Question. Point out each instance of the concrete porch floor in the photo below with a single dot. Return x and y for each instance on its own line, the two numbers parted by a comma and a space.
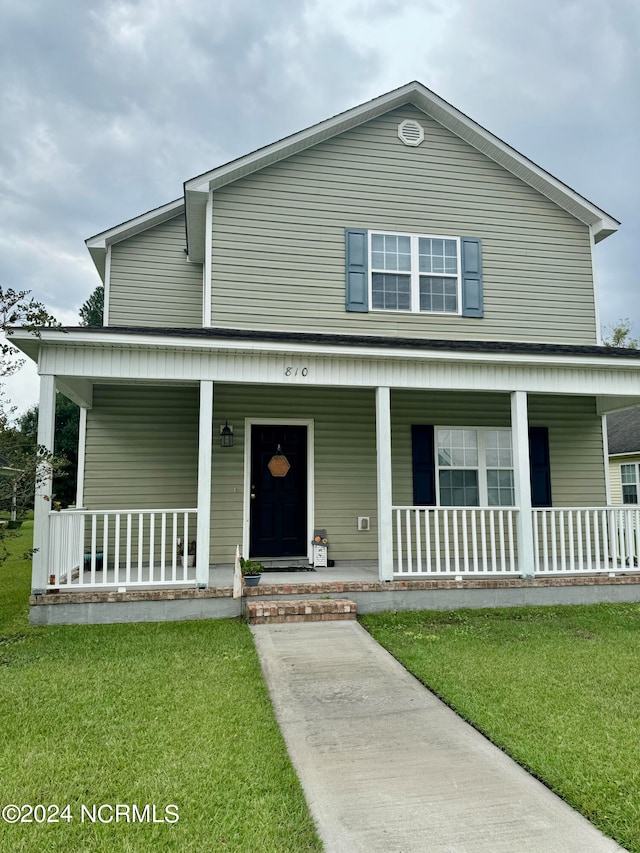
350, 571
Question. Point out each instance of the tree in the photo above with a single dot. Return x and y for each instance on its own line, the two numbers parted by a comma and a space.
16, 309
24, 465
92, 310
67, 419
65, 445
619, 335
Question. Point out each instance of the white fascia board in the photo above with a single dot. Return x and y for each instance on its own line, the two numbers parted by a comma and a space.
106, 296
594, 283
517, 163
206, 266
24, 341
98, 244
615, 456
442, 112
135, 225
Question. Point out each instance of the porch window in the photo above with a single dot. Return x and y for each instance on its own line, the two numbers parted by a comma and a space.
475, 467
629, 478
411, 272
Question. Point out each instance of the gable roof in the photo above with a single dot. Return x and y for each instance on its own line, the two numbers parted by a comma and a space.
623, 431
97, 245
196, 190
441, 111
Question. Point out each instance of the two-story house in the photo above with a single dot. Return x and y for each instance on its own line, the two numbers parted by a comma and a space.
384, 326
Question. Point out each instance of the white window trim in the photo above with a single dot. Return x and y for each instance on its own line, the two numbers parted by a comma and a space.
248, 427
483, 494
415, 274
636, 471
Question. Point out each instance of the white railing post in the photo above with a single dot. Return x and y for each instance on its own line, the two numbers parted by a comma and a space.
383, 448
44, 483
522, 482
205, 433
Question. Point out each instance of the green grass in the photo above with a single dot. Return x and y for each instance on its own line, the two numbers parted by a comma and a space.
159, 713
558, 688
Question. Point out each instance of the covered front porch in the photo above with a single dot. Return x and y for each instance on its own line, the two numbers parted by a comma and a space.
138, 549
419, 462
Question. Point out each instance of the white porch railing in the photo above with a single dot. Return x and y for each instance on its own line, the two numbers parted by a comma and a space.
114, 548
586, 539
476, 541
454, 540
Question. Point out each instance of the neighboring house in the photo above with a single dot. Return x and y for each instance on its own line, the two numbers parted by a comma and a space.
396, 301
623, 429
6, 470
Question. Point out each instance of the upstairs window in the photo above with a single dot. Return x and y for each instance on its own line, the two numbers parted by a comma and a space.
415, 273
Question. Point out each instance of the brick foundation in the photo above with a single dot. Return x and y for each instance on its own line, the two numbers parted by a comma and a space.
312, 610
327, 588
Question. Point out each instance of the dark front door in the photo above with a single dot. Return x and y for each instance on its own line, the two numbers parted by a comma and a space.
278, 520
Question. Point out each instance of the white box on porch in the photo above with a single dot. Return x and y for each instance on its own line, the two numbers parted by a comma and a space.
319, 556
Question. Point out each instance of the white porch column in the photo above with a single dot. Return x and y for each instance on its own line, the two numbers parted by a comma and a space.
82, 446
522, 481
204, 483
383, 448
44, 483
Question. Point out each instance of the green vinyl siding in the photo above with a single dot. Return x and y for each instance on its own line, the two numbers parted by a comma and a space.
438, 408
278, 253
575, 437
142, 448
345, 462
576, 449
152, 283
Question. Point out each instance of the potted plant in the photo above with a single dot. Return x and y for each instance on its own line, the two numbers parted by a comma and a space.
251, 571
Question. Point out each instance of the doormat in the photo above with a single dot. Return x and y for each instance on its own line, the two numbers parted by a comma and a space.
288, 569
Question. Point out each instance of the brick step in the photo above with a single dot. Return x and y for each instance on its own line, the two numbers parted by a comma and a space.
310, 610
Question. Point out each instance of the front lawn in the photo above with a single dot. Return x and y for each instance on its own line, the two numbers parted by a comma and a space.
156, 713
558, 688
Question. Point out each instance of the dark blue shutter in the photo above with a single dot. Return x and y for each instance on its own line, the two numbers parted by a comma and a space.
471, 254
423, 465
356, 256
540, 466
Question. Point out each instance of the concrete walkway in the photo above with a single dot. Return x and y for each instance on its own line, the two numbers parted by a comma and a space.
388, 767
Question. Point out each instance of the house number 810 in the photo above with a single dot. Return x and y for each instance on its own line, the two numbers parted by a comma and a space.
296, 371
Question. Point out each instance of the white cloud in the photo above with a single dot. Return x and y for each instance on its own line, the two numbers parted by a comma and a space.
107, 107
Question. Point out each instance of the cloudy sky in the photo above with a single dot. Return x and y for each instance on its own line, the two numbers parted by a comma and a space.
107, 107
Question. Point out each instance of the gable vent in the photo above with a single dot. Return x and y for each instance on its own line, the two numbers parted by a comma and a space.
410, 132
